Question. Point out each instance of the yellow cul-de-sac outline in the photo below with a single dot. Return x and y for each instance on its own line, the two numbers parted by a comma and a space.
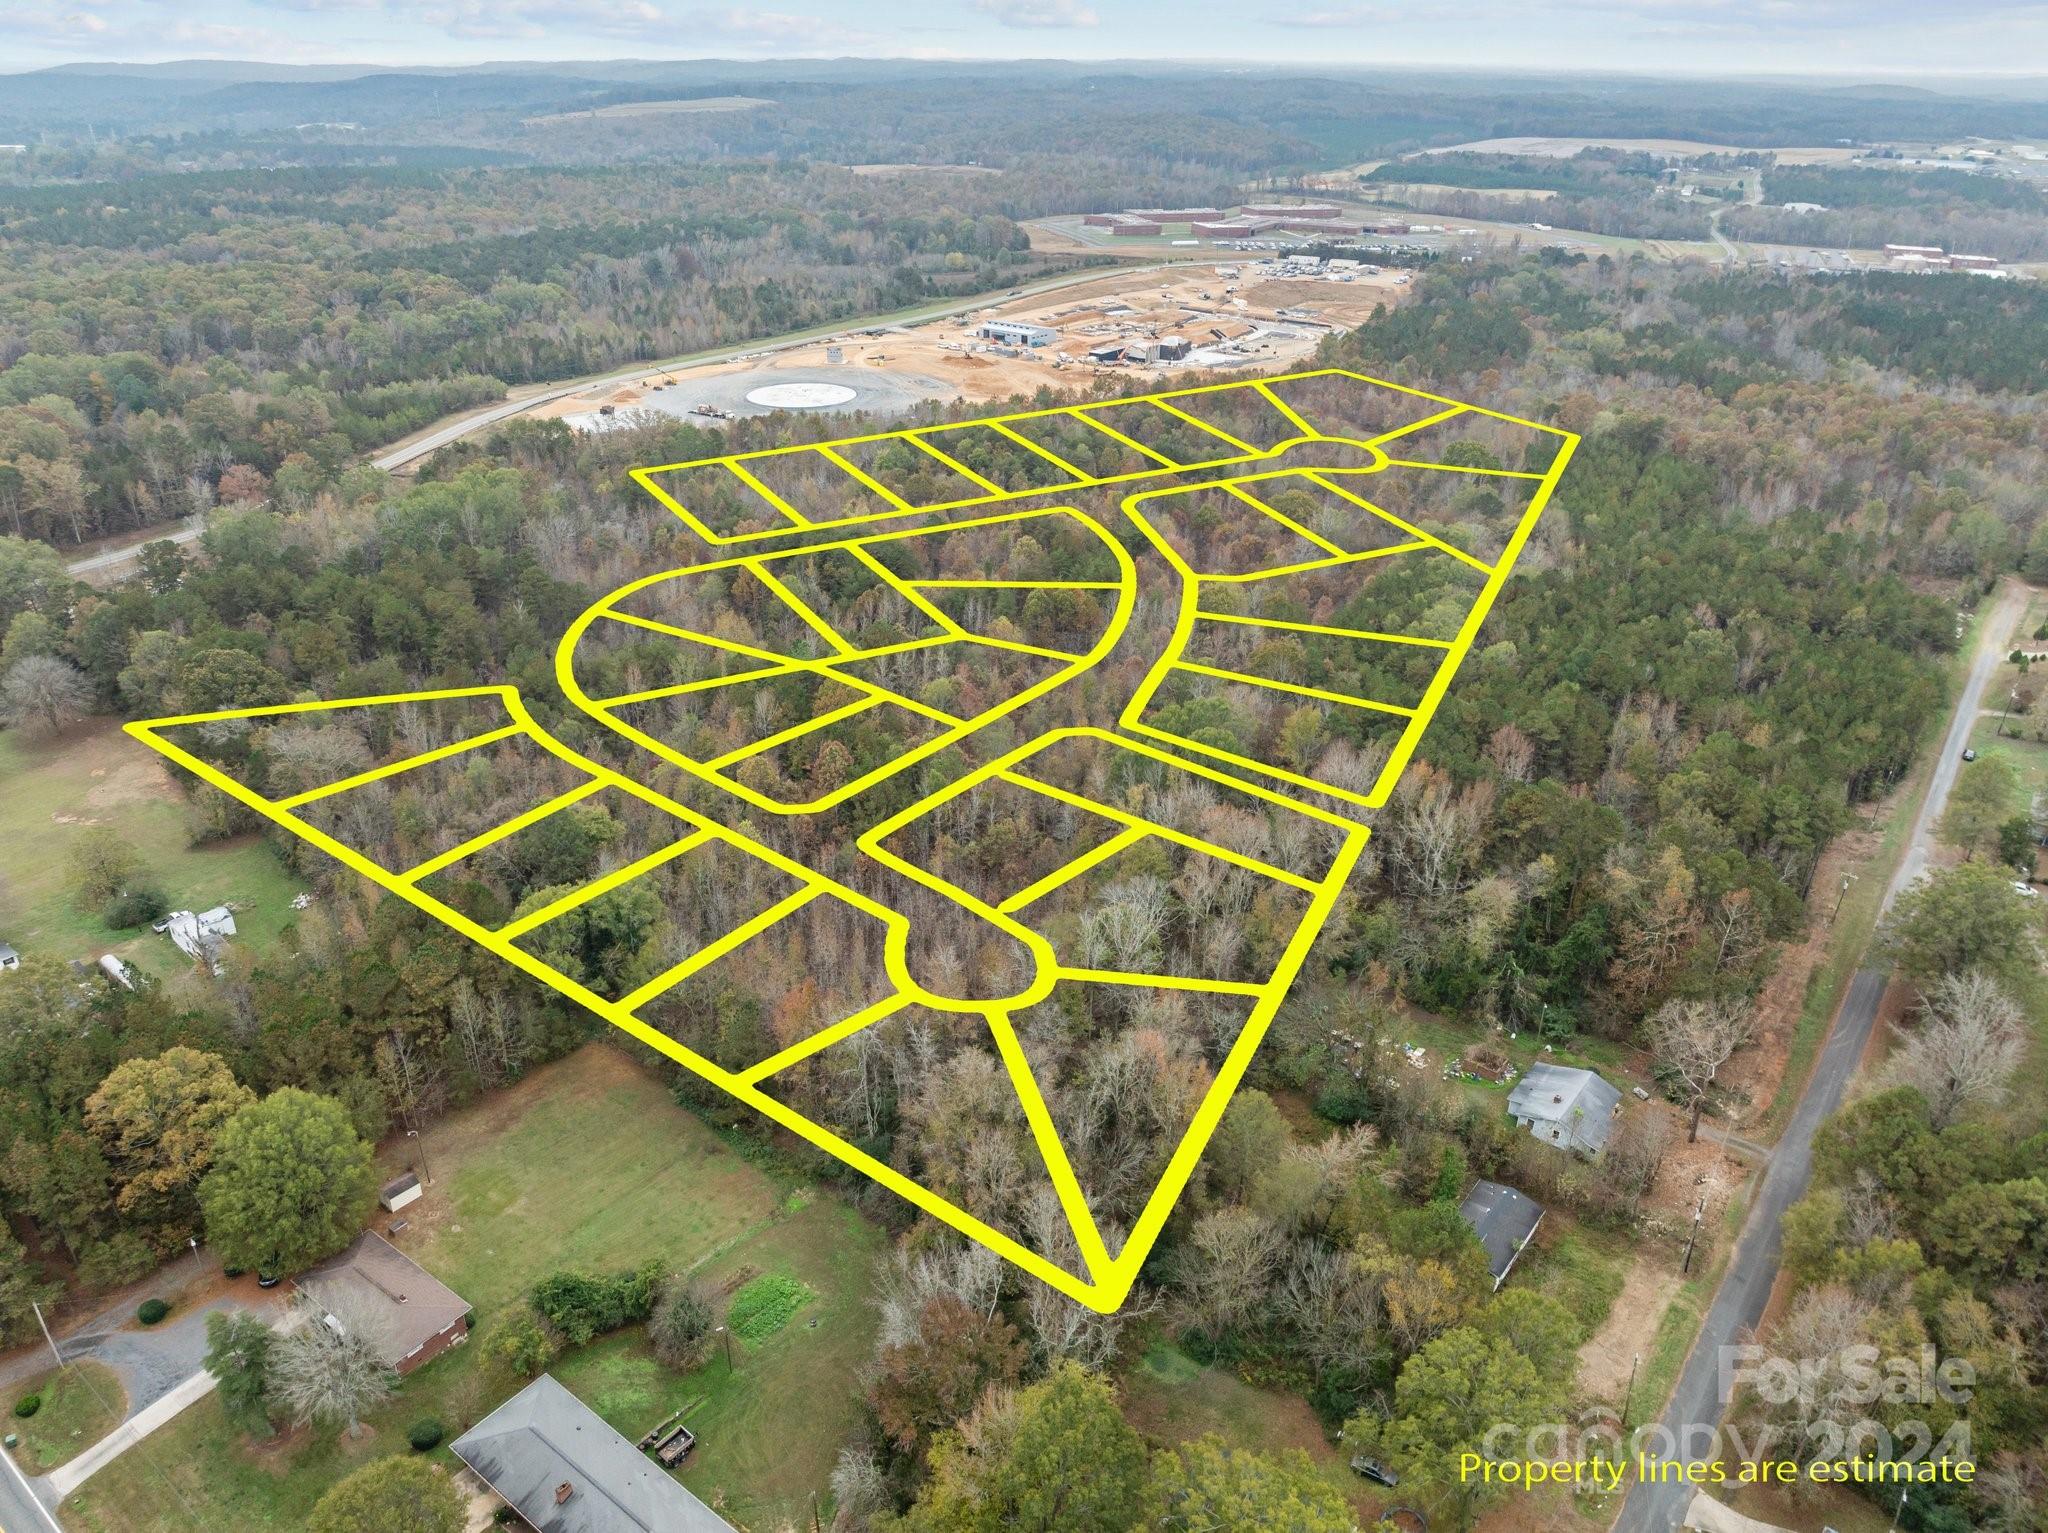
1239, 467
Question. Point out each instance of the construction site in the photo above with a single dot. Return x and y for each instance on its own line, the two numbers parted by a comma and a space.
1259, 315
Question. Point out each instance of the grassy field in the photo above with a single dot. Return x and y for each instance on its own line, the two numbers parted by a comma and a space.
81, 1404
95, 775
588, 1163
1583, 1271
1171, 1398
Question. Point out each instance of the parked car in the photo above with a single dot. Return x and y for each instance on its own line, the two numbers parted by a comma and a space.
1375, 1471
2026, 889
1969, 755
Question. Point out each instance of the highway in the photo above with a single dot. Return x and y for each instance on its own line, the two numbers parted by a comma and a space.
1697, 1403
454, 430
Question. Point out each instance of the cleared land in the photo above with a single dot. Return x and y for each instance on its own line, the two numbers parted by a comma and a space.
892, 367
93, 775
924, 170
1172, 1398
657, 108
588, 1163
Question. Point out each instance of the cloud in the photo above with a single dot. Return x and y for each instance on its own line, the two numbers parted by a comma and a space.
60, 28
772, 27
1038, 14
1344, 16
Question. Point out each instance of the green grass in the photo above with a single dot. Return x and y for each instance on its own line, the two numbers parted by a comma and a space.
1583, 1271
587, 1163
765, 1305
1680, 1326
1171, 1398
93, 774
81, 1404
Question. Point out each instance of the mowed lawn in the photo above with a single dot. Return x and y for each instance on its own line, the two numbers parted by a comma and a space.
589, 1163
92, 774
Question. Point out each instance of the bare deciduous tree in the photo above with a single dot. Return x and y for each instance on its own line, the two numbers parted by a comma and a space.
860, 1488
46, 689
329, 1366
1634, 1151
1966, 1048
1694, 1039
1332, 1300
1230, 1268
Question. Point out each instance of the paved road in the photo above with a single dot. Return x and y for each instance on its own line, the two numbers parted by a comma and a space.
1697, 1404
455, 430
20, 1511
186, 533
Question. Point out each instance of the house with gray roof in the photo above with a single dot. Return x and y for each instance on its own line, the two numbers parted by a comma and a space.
553, 1459
1572, 1109
1504, 1220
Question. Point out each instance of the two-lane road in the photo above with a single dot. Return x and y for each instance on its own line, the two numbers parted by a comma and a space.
20, 1511
1697, 1404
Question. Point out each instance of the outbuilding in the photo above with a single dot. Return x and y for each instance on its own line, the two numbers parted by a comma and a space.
1505, 1222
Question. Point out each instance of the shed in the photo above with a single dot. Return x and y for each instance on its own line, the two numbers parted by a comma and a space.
1570, 1108
398, 1192
1504, 1220
562, 1469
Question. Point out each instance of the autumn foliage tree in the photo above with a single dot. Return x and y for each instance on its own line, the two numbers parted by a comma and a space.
929, 1381
157, 1120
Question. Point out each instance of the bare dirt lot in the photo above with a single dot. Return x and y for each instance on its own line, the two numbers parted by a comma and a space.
1630, 1328
1229, 317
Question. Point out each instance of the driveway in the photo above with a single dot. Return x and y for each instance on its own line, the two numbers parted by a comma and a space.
149, 1363
1697, 1405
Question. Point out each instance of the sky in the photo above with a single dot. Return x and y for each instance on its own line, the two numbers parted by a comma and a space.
1859, 37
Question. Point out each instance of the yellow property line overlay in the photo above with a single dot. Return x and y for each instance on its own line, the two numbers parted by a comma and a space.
1107, 1277
1238, 451
952, 730
1455, 649
1107, 1281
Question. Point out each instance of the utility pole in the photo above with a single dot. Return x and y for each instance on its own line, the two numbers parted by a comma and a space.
1695, 1235
1898, 1512
426, 1171
1847, 879
726, 1336
2011, 698
1629, 1399
46, 1332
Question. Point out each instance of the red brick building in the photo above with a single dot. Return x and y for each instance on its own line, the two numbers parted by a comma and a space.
417, 1316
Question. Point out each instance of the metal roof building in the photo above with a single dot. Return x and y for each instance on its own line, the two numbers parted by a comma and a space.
1572, 1109
1504, 1220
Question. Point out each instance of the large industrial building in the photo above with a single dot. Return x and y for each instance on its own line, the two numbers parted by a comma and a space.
1009, 333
